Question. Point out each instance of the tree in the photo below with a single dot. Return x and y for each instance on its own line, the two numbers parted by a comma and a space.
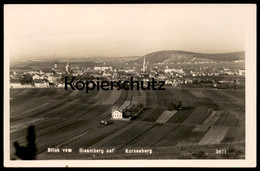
26, 79
200, 155
27, 152
171, 106
177, 104
140, 105
174, 105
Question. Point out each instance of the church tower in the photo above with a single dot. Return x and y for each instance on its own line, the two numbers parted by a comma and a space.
55, 65
67, 67
144, 65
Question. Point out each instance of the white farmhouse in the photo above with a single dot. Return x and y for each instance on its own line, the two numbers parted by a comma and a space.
117, 114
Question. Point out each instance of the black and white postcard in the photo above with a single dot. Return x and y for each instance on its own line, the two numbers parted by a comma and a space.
114, 85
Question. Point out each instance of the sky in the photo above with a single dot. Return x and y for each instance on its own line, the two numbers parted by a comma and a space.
67, 31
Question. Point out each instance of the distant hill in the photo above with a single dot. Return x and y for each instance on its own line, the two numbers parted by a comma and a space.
192, 57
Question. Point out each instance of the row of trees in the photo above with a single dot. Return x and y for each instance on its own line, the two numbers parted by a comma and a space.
133, 109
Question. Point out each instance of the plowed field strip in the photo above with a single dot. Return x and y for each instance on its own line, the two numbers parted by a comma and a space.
180, 116
214, 135
98, 135
117, 133
196, 115
127, 136
174, 136
149, 138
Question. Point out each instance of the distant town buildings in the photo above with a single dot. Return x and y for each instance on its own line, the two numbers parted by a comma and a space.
176, 76
38, 76
168, 70
241, 72
15, 85
53, 78
41, 84
102, 68
19, 85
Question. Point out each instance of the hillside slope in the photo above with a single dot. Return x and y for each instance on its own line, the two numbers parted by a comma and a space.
184, 56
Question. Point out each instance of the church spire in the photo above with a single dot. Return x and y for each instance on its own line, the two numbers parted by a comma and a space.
144, 65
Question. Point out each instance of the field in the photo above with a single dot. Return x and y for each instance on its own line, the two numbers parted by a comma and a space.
210, 119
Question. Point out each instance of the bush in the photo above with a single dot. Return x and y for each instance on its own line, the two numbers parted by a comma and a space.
140, 106
174, 105
133, 109
200, 155
26, 79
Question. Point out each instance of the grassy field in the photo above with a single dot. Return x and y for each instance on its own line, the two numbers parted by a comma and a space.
209, 119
